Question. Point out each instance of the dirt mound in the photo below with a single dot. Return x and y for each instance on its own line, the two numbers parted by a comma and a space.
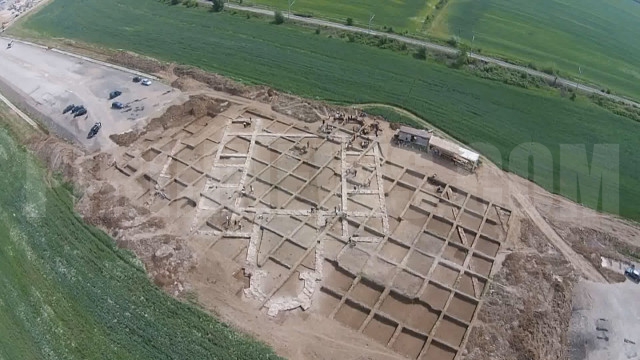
135, 61
215, 81
527, 310
58, 156
196, 107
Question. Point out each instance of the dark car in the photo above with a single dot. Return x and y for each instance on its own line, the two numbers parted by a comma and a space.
117, 105
68, 108
80, 112
137, 79
77, 108
114, 94
94, 130
633, 274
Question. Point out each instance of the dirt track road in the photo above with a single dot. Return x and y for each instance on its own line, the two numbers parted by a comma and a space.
439, 48
578, 261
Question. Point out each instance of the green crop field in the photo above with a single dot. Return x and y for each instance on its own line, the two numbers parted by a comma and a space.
294, 59
597, 37
69, 293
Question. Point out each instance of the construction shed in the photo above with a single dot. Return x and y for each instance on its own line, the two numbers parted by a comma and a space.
459, 155
410, 136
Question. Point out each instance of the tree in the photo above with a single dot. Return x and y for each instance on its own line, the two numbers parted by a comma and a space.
349, 21
278, 17
175, 2
217, 6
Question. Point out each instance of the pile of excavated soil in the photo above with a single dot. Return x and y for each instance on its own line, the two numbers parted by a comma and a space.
526, 313
134, 61
176, 115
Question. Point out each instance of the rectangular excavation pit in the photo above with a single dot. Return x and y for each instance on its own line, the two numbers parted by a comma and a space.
205, 163
451, 331
230, 247
175, 167
457, 196
408, 283
487, 246
462, 307
305, 170
380, 329
439, 351
392, 170
278, 127
150, 154
298, 131
407, 231
259, 187
332, 247
299, 203
265, 155
205, 147
336, 278
286, 162
353, 259
445, 275
291, 287
419, 262
409, 343
226, 160
394, 251
174, 189
326, 301
422, 318
435, 296
291, 184
387, 184
276, 197
379, 270
354, 206
276, 275
397, 199
476, 204
455, 253
416, 215
447, 210
374, 226
190, 175
186, 154
369, 201
289, 253
255, 167
169, 145
471, 285
306, 235
268, 242
480, 264
412, 177
314, 193
366, 292
327, 178
352, 314
471, 220
283, 224
468, 236
493, 230
439, 226
238, 144
396, 306
430, 244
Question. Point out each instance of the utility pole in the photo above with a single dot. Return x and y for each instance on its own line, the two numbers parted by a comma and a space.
291, 2
370, 21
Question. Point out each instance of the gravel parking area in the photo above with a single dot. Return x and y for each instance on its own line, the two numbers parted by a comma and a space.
45, 82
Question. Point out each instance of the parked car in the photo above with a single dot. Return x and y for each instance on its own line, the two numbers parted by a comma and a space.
633, 274
77, 108
68, 108
117, 105
94, 130
146, 82
137, 79
80, 112
114, 94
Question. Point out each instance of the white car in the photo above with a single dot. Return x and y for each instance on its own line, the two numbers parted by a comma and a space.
145, 82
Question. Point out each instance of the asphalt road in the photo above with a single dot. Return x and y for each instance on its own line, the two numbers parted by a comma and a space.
439, 48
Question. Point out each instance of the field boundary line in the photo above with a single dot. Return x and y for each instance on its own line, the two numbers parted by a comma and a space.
22, 115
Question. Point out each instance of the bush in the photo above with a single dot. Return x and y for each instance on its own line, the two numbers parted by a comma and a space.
217, 6
175, 2
318, 31
349, 21
190, 3
421, 54
278, 17
453, 41
573, 96
351, 38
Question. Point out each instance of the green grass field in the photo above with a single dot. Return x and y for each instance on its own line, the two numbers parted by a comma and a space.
294, 59
598, 37
398, 14
69, 293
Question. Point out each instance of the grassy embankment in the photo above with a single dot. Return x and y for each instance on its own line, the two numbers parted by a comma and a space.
69, 293
297, 60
